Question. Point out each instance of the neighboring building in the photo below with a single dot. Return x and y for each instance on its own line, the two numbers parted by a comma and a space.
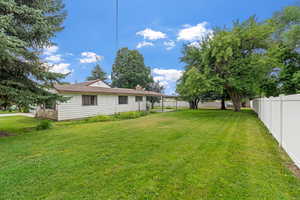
172, 101
93, 98
177, 102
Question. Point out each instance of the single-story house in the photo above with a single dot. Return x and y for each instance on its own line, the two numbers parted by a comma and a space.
94, 98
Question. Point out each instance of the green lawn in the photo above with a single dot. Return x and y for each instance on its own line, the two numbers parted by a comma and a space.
203, 155
7, 112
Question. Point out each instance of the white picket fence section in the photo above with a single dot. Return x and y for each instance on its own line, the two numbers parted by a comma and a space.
281, 115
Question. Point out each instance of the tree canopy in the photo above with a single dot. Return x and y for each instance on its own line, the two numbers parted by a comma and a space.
129, 70
284, 78
233, 59
250, 59
287, 23
192, 86
25, 28
97, 74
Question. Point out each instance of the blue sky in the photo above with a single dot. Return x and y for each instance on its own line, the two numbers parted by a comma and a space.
157, 28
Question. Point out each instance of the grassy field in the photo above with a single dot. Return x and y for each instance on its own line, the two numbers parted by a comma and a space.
203, 155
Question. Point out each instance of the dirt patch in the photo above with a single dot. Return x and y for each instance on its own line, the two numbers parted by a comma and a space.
5, 134
294, 169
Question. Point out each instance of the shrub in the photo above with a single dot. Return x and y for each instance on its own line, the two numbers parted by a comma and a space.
44, 124
100, 118
144, 113
130, 115
169, 107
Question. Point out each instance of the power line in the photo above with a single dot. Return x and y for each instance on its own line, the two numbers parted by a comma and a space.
117, 25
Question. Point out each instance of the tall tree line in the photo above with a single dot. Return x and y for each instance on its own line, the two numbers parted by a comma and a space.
250, 59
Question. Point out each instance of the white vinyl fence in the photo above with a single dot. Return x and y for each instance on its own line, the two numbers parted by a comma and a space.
281, 115
171, 103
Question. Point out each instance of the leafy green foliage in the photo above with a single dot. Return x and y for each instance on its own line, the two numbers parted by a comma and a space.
234, 60
287, 23
106, 118
100, 118
97, 74
285, 53
130, 115
155, 87
192, 85
26, 27
129, 70
283, 78
44, 125
269, 86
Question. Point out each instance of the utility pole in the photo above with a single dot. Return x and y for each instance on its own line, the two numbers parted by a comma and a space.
117, 25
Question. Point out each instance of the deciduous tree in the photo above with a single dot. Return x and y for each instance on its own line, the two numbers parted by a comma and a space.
285, 53
236, 58
191, 86
129, 70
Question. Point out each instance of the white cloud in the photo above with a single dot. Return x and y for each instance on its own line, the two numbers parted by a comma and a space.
50, 50
167, 74
167, 78
53, 61
192, 33
144, 44
54, 58
62, 68
151, 34
165, 84
195, 44
169, 44
90, 57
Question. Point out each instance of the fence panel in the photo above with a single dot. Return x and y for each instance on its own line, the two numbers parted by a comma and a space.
281, 115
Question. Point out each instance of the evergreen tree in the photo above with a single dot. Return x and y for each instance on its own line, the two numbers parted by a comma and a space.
25, 28
97, 74
129, 70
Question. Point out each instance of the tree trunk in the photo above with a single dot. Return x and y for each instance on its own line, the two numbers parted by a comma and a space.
152, 104
223, 106
194, 104
235, 98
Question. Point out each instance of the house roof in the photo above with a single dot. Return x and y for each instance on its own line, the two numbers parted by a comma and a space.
86, 83
84, 88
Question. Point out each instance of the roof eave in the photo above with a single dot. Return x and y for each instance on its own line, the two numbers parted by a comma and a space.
109, 93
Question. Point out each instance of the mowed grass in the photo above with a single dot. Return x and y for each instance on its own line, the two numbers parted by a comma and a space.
203, 155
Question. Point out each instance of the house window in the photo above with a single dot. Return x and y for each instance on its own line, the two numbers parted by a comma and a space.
89, 100
123, 99
138, 99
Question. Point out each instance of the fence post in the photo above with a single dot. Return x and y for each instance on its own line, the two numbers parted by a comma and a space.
259, 108
162, 104
281, 120
271, 114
